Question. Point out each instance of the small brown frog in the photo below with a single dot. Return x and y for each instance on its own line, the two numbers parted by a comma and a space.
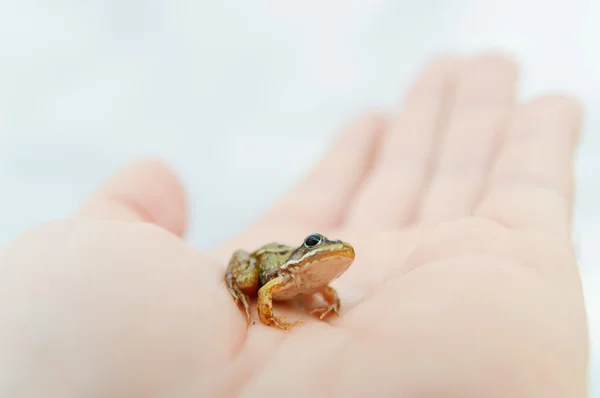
281, 272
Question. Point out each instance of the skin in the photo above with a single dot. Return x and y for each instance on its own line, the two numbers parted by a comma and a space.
465, 283
281, 272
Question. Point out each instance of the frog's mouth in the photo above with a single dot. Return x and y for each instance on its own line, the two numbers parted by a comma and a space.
326, 264
337, 250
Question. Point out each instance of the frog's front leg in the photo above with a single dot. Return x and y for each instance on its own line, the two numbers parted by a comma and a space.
242, 277
265, 305
333, 303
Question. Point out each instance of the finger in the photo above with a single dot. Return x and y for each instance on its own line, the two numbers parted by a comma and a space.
389, 195
320, 200
484, 99
147, 190
531, 182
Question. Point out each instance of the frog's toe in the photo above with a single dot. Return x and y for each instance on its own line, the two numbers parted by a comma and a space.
234, 294
322, 312
244, 301
248, 314
280, 324
239, 296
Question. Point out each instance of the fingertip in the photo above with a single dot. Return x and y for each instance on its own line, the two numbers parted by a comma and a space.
482, 66
563, 110
564, 103
364, 128
437, 77
147, 190
441, 61
373, 116
497, 56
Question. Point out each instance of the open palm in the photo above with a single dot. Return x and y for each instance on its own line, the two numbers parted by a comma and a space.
464, 284
458, 206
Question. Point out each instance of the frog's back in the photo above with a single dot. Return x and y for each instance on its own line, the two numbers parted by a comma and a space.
270, 258
273, 247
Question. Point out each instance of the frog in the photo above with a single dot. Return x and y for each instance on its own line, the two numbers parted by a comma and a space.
279, 272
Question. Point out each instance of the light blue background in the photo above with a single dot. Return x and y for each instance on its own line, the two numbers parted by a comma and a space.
87, 86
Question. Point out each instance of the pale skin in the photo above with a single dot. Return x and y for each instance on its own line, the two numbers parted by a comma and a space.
465, 284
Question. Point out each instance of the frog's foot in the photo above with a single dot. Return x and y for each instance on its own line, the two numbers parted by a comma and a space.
277, 321
333, 303
265, 313
244, 299
238, 296
322, 312
265, 306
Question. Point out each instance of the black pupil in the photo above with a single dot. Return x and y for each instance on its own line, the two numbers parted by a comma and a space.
313, 240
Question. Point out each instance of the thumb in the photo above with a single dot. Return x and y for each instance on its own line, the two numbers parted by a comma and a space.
146, 191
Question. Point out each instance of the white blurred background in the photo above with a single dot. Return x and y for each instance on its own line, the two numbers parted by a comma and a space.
219, 89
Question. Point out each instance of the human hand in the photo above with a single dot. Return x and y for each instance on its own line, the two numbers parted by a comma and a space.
464, 283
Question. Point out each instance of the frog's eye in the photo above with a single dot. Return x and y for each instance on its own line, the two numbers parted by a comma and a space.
313, 240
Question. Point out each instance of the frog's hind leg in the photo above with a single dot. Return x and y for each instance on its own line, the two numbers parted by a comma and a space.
242, 277
333, 303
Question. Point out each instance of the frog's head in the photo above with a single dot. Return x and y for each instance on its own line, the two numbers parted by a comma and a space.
319, 251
